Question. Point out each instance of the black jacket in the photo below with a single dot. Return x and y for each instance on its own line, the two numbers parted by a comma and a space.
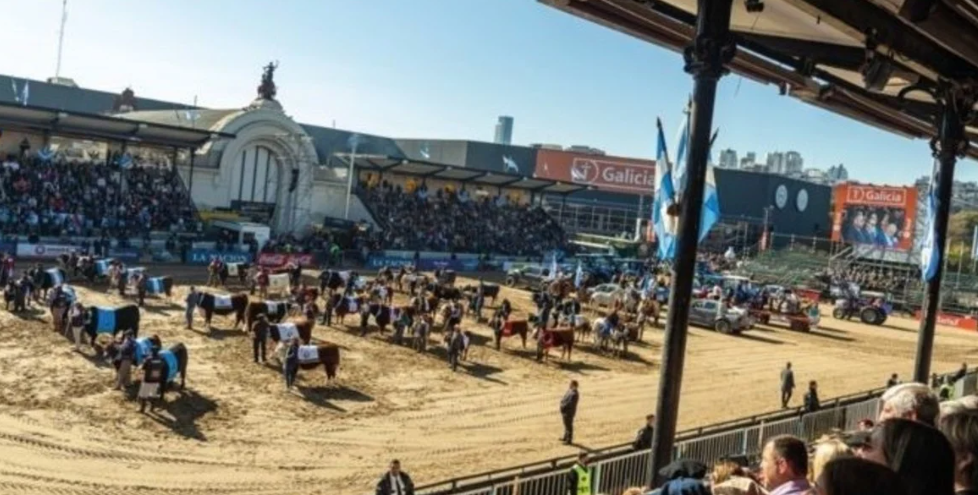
384, 485
811, 401
568, 405
643, 439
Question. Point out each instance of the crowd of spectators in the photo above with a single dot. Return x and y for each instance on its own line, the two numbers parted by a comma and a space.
55, 197
871, 278
456, 221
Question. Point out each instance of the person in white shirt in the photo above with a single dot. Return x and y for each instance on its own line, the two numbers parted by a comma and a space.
395, 481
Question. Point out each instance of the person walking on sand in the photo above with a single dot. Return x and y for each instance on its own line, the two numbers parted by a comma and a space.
290, 365
568, 409
192, 298
787, 385
395, 481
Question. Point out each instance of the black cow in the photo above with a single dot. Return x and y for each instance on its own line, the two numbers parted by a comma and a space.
207, 303
332, 280
125, 318
242, 272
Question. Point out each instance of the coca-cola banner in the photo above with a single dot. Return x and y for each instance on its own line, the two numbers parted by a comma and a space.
606, 173
880, 215
279, 259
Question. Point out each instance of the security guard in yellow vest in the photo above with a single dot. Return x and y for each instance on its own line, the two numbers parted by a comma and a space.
946, 392
579, 477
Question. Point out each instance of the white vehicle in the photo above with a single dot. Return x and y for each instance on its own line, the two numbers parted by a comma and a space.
244, 232
606, 294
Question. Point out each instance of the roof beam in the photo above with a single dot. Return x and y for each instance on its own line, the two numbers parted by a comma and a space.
844, 57
863, 17
943, 25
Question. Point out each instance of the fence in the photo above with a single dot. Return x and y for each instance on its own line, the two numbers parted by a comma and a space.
615, 471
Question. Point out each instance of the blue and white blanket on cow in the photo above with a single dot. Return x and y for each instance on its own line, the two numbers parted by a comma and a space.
272, 307
155, 286
69, 293
130, 272
104, 320
351, 305
287, 331
144, 348
308, 354
222, 302
55, 274
172, 365
604, 327
102, 266
278, 282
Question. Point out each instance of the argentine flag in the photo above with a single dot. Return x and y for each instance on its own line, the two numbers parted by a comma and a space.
553, 265
682, 145
664, 195
578, 276
710, 214
930, 247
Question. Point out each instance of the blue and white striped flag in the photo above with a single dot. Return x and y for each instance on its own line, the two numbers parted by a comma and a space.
578, 275
710, 214
682, 140
553, 265
930, 247
664, 195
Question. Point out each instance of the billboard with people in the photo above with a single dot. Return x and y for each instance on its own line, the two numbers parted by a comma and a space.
605, 173
877, 215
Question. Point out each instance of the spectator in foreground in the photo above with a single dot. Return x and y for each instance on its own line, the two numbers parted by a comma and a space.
961, 430
826, 452
395, 481
730, 478
913, 401
854, 476
964, 404
919, 454
784, 466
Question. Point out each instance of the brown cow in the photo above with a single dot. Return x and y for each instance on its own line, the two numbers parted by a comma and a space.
284, 332
280, 309
508, 328
562, 337
222, 305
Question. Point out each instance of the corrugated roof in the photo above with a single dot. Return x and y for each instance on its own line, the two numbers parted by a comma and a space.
73, 99
197, 119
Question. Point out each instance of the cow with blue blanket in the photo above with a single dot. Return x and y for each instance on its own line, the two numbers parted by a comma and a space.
45, 280
145, 284
160, 369
222, 305
110, 322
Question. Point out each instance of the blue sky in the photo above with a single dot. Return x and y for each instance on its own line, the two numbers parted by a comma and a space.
432, 68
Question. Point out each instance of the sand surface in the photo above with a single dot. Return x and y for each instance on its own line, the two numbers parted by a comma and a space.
235, 430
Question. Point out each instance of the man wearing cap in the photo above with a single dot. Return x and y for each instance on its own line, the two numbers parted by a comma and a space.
579, 476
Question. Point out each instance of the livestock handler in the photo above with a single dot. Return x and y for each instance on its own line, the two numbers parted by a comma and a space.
579, 476
192, 299
259, 334
568, 409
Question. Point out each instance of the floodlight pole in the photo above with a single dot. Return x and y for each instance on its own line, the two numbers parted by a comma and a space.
956, 105
706, 61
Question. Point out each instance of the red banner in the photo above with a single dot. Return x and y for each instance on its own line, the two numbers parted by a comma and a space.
879, 215
279, 259
963, 322
607, 173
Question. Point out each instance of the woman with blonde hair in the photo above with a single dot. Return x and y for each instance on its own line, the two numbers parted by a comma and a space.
826, 451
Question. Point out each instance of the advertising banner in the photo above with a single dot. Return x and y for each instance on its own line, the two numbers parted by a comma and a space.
964, 322
280, 259
878, 215
606, 173
425, 264
44, 251
125, 254
205, 256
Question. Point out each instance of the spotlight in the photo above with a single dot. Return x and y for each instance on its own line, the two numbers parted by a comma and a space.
754, 6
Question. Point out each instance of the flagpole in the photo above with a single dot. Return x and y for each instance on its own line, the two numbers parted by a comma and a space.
61, 38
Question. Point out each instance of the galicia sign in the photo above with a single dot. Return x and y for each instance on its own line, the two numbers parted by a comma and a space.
623, 175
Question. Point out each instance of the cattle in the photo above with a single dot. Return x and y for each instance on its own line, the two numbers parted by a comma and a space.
311, 357
489, 291
110, 321
238, 271
445, 292
284, 332
174, 359
501, 328
49, 279
159, 285
279, 283
330, 280
345, 305
222, 305
15, 293
562, 337
445, 277
276, 311
382, 313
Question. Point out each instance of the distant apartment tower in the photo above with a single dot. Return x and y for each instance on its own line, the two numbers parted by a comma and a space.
838, 173
728, 159
504, 130
749, 160
776, 162
793, 163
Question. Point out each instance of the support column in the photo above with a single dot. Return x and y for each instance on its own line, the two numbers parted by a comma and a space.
956, 109
705, 60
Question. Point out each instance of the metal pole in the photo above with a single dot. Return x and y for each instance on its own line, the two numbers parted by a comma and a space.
349, 179
949, 143
61, 38
190, 182
705, 61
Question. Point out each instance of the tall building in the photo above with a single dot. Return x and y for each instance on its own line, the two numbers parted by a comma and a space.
749, 160
504, 130
838, 173
793, 163
775, 162
728, 158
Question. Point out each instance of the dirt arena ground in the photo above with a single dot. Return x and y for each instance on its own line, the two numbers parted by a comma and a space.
235, 430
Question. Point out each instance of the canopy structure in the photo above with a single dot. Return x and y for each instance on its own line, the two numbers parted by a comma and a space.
906, 66
426, 169
853, 57
93, 126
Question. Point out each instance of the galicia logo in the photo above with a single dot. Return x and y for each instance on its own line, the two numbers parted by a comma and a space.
424, 152
510, 166
584, 172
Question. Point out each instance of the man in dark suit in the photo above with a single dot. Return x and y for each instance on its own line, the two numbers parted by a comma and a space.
787, 385
568, 409
395, 481
643, 438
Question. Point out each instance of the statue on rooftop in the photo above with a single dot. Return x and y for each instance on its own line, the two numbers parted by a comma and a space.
266, 90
